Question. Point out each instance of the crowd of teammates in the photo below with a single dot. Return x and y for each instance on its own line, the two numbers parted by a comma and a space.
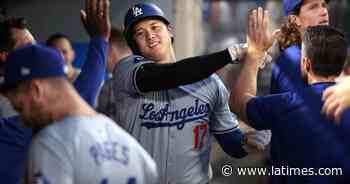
165, 113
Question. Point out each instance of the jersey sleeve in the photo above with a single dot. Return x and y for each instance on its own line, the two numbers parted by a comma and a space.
92, 74
262, 112
49, 163
106, 99
222, 119
125, 74
286, 71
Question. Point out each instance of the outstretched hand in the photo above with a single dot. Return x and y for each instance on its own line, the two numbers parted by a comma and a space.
259, 38
95, 18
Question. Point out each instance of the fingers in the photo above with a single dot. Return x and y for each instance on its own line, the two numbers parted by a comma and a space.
251, 25
266, 19
328, 100
87, 8
93, 8
275, 34
327, 93
83, 17
255, 25
331, 108
259, 19
106, 5
337, 114
99, 5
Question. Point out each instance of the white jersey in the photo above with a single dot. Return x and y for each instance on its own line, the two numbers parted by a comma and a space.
175, 126
88, 150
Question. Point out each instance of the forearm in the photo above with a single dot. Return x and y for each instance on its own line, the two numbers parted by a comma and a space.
232, 143
154, 77
245, 87
93, 72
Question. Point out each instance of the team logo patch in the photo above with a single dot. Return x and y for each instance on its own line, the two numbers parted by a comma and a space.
137, 11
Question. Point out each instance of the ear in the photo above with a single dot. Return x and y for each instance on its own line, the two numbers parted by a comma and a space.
36, 89
3, 56
307, 64
171, 30
73, 55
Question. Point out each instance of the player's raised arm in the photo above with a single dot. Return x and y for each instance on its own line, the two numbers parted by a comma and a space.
259, 40
96, 21
95, 18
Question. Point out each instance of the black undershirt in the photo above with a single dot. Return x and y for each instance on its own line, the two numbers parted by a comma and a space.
155, 77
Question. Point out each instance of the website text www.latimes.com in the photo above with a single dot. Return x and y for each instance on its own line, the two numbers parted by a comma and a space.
228, 170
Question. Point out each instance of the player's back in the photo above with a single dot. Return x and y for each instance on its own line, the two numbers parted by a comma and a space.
92, 150
303, 137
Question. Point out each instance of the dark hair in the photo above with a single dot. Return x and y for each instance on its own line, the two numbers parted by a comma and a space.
326, 47
290, 34
7, 41
117, 38
53, 38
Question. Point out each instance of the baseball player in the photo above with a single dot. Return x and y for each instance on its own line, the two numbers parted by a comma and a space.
173, 121
64, 45
72, 143
305, 139
300, 14
14, 137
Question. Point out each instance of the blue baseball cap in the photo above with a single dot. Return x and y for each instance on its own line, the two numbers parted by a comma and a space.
31, 62
290, 5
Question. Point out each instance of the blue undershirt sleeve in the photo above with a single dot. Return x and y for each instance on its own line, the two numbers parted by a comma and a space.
232, 143
93, 71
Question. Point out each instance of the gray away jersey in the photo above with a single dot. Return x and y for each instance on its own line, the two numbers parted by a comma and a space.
88, 150
175, 126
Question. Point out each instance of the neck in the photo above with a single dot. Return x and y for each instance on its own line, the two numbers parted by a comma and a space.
111, 65
73, 104
169, 58
312, 79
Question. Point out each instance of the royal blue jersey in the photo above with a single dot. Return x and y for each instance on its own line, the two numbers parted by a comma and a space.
302, 137
345, 119
15, 139
286, 71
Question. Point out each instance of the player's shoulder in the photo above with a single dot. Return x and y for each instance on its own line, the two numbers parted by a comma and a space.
74, 129
133, 59
212, 79
215, 80
292, 52
129, 63
284, 101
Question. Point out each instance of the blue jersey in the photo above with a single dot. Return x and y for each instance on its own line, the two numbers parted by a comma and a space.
286, 71
345, 118
301, 136
15, 139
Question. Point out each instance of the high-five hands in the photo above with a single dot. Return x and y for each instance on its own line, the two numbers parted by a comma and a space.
95, 18
259, 38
